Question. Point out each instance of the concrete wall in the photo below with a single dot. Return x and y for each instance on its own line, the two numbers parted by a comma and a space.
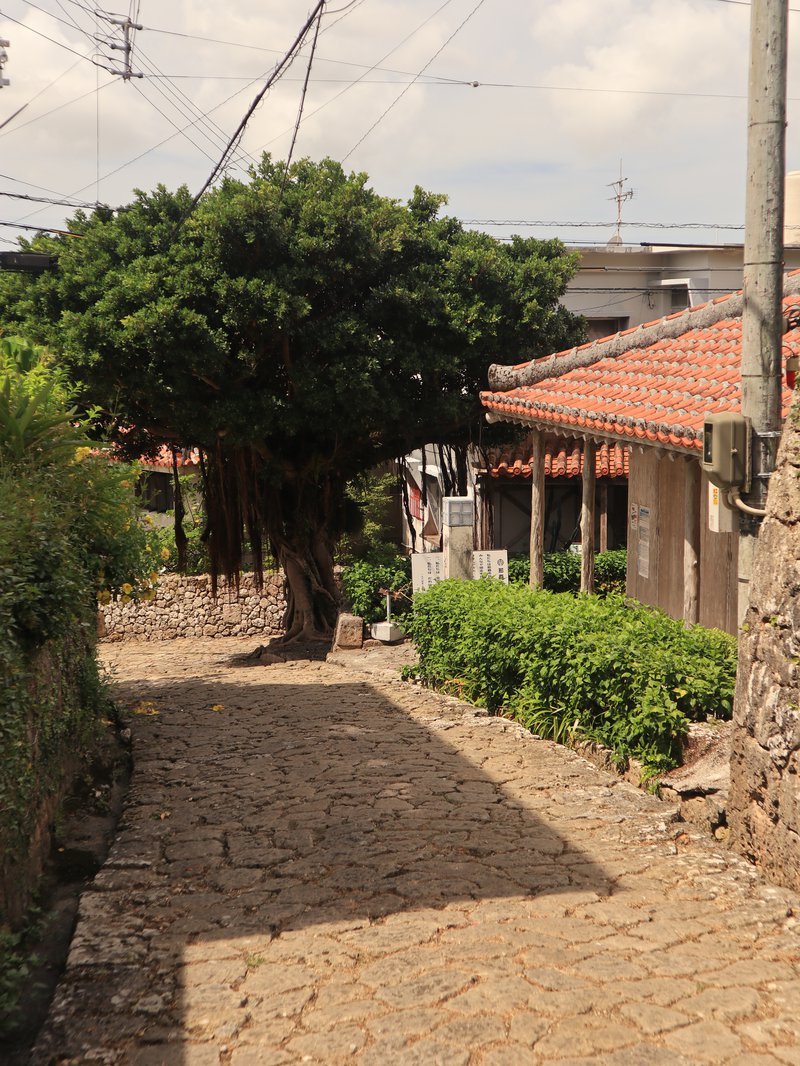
184, 607
764, 801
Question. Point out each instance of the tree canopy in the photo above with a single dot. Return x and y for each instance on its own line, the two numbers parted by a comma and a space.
299, 329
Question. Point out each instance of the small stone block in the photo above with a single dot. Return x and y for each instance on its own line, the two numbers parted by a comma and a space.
349, 631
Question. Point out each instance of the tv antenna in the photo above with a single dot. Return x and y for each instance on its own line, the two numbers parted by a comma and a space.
619, 196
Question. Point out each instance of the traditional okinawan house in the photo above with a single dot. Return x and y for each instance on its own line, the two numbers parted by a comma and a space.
649, 388
504, 487
157, 483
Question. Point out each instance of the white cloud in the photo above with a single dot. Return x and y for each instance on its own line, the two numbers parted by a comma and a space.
498, 151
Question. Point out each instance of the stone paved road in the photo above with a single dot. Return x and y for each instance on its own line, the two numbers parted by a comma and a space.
318, 865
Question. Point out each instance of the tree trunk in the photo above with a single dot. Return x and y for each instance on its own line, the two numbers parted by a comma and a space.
311, 606
296, 512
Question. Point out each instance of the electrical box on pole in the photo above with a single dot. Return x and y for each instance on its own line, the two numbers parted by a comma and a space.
726, 450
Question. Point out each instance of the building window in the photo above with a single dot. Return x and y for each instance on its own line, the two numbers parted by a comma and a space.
597, 328
414, 501
679, 297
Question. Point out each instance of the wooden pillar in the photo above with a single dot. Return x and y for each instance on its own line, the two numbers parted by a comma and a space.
691, 541
604, 516
587, 516
537, 511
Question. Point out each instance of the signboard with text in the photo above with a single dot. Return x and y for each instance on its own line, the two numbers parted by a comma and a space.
426, 570
490, 564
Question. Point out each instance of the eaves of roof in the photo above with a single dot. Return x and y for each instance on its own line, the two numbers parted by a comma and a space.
652, 385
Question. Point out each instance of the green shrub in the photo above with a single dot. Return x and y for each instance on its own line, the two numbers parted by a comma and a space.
602, 669
69, 532
365, 583
562, 571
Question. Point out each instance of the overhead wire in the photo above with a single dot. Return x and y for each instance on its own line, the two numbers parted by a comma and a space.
597, 225
182, 104
53, 110
236, 137
303, 99
48, 200
397, 99
369, 70
38, 33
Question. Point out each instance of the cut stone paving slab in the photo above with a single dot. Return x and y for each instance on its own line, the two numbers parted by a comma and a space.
338, 867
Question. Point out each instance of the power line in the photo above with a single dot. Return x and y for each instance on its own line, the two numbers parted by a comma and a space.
49, 200
303, 100
185, 107
361, 77
42, 229
39, 33
238, 133
398, 98
59, 107
597, 225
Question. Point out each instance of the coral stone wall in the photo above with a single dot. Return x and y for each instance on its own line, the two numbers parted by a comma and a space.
184, 607
764, 801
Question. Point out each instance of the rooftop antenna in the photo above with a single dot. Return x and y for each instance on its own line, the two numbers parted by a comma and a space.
620, 195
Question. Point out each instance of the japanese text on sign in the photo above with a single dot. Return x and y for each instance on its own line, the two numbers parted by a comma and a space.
426, 570
490, 564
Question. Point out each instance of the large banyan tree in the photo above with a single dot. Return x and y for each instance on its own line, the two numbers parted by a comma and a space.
298, 329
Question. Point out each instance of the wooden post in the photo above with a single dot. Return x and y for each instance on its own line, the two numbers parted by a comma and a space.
691, 541
587, 516
604, 516
537, 511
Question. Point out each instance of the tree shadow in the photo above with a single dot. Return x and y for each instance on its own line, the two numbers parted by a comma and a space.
264, 809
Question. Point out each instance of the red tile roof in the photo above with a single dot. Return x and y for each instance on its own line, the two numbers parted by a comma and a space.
187, 457
562, 458
651, 384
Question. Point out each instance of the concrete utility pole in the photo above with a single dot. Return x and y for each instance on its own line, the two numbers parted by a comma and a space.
762, 322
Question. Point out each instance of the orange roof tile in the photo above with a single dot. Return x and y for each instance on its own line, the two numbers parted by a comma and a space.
656, 390
188, 458
562, 458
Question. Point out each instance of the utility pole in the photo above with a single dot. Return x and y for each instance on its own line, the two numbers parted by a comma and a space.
126, 47
762, 322
3, 60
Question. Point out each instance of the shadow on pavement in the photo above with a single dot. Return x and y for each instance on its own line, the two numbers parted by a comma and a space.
262, 809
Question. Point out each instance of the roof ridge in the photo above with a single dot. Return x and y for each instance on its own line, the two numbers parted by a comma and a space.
701, 316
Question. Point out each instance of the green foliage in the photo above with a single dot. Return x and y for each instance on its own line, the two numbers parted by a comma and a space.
15, 970
369, 527
562, 571
69, 531
602, 669
366, 581
300, 329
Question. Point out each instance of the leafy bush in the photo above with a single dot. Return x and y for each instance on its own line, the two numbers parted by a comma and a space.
621, 674
69, 532
365, 583
562, 571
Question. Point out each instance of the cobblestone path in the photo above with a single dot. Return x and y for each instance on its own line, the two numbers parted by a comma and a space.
317, 865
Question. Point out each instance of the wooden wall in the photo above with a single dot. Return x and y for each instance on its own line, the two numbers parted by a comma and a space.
719, 581
655, 543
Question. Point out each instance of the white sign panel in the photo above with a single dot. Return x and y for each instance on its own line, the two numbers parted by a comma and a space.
643, 545
490, 564
426, 570
721, 516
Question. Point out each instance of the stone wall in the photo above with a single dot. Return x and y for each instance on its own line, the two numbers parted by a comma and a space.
184, 607
764, 802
